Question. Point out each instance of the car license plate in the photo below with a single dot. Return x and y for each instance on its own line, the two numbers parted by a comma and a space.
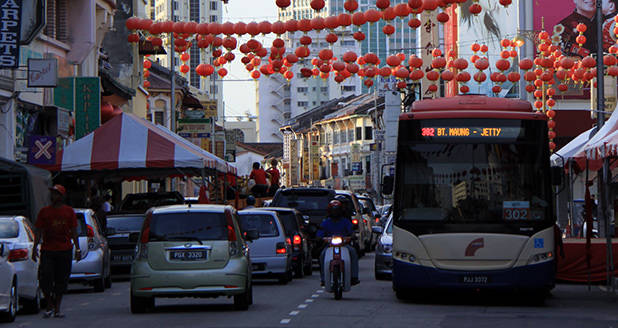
479, 280
258, 266
122, 258
188, 255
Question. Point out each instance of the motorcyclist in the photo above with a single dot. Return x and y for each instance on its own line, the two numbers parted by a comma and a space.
336, 224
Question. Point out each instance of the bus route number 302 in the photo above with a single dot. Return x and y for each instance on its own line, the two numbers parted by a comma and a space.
516, 210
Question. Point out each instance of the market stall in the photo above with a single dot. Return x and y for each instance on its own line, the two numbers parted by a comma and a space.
130, 148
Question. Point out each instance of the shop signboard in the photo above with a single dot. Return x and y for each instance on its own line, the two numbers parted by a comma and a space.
315, 160
42, 150
87, 105
10, 29
357, 166
196, 130
306, 162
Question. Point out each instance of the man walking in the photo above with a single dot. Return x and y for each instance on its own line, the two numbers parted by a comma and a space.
274, 177
57, 226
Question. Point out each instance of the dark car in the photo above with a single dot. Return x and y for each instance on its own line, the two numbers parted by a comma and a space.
310, 202
295, 228
370, 209
119, 228
140, 203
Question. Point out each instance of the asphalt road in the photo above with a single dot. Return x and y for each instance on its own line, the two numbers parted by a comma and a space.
302, 303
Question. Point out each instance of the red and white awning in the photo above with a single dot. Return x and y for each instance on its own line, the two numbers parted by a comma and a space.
130, 142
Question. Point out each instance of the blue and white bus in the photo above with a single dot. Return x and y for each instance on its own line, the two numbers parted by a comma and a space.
473, 203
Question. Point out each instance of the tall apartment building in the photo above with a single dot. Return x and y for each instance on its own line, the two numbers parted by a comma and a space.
279, 100
200, 11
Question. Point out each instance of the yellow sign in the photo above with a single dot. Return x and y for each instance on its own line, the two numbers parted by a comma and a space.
315, 160
306, 163
210, 108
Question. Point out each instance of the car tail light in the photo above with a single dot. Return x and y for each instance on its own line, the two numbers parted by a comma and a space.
377, 220
354, 221
288, 241
90, 231
297, 240
231, 233
142, 251
281, 248
16, 255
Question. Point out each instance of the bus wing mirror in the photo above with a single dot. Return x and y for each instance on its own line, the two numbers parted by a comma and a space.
557, 175
387, 185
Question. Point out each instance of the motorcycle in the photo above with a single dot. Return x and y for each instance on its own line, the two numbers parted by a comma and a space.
338, 262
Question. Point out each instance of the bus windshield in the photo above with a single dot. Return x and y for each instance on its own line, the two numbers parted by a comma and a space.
467, 181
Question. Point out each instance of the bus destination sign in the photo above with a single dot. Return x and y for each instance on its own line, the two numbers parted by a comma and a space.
471, 132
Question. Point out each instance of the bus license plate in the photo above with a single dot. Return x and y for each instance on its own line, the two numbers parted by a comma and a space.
188, 255
480, 280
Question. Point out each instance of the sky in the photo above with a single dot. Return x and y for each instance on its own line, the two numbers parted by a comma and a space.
240, 97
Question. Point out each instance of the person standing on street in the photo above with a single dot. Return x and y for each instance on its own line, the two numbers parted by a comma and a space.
56, 225
260, 177
274, 177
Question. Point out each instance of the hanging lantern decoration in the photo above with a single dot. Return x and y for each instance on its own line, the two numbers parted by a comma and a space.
581, 39
282, 4
133, 38
184, 68
388, 29
147, 64
475, 8
317, 5
350, 5
414, 23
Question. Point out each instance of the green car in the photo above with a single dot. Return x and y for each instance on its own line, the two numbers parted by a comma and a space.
191, 251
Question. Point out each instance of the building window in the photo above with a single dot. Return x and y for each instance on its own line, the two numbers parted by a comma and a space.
175, 5
194, 11
323, 89
57, 18
368, 133
194, 60
213, 18
159, 118
313, 103
349, 88
359, 133
213, 5
214, 90
343, 136
302, 89
302, 104
335, 137
350, 135
286, 102
348, 43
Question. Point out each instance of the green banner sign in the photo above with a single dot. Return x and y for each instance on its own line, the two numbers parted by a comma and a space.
87, 105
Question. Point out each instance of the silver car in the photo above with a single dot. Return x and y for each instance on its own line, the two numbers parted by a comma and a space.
94, 267
9, 301
17, 235
384, 251
271, 253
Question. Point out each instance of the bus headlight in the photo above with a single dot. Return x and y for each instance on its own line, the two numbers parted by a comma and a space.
540, 257
405, 257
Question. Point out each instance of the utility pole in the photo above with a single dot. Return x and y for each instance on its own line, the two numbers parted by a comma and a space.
173, 76
603, 179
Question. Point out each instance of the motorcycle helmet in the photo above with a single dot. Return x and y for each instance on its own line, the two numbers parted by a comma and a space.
335, 208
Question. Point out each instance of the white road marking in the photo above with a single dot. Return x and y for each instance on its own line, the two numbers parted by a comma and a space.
294, 312
308, 300
285, 321
303, 306
320, 291
85, 303
315, 295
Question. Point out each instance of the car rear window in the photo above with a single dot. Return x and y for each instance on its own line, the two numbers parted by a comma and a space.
367, 203
143, 202
9, 228
288, 219
126, 223
82, 229
263, 223
307, 202
188, 226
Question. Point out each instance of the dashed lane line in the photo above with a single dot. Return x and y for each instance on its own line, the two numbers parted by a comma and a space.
285, 321
294, 313
303, 306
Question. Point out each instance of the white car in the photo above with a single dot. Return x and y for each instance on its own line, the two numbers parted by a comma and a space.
9, 301
94, 267
17, 234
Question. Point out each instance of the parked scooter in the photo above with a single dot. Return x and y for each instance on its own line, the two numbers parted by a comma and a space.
337, 266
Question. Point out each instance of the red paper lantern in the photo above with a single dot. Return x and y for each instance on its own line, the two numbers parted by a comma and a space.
479, 77
503, 64
317, 5
133, 38
147, 64
317, 23
331, 38
513, 77
359, 36
325, 54
282, 4
388, 29
581, 27
373, 15
438, 62
402, 73
291, 25
222, 72
359, 19
350, 5
414, 23
464, 89
442, 17
496, 89
447, 75
344, 19
368, 83
432, 88
402, 10
383, 4
133, 23
463, 76
352, 68
415, 61
460, 63
415, 4
416, 74
475, 9
278, 28
432, 75
288, 75
146, 84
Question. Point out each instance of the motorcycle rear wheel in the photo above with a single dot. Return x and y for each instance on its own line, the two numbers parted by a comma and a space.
337, 281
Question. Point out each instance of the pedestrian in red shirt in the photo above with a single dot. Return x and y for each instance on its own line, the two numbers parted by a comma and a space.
259, 176
57, 226
274, 177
